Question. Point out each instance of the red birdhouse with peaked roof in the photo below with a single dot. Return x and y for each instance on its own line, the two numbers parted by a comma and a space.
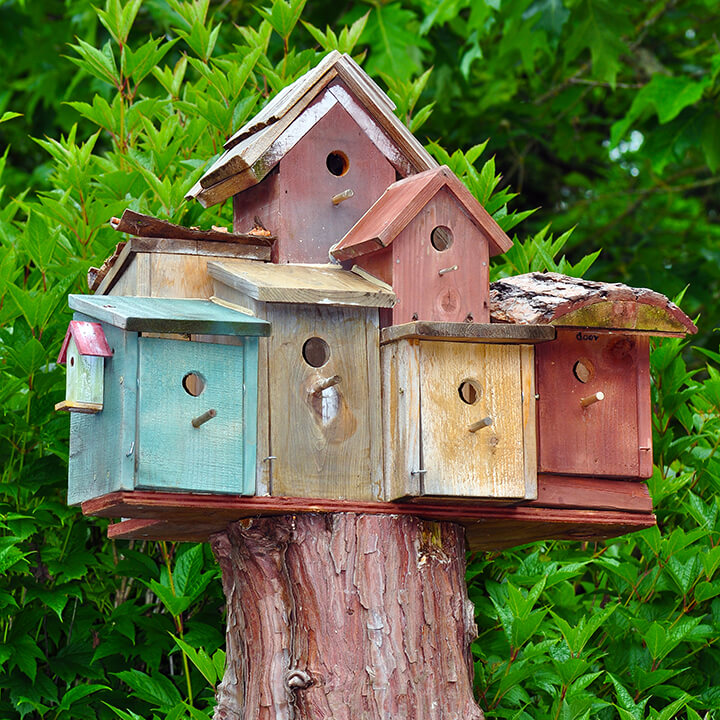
310, 164
430, 239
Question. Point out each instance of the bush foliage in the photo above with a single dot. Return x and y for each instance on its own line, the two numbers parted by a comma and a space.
603, 112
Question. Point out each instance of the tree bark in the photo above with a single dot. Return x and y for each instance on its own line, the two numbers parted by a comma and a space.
346, 617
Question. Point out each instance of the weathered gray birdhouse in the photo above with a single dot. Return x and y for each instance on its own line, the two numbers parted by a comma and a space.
319, 421
178, 413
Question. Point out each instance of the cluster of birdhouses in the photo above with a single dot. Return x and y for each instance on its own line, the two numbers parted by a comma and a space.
343, 348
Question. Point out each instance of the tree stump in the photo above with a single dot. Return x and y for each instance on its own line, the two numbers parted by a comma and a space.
346, 617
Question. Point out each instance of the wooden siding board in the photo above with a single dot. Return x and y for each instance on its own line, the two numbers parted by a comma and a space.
171, 453
489, 463
321, 442
599, 440
468, 332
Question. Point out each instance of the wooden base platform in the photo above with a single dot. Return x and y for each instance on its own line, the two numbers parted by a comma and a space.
193, 517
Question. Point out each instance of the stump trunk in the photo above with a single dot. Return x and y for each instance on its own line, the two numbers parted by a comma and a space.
345, 617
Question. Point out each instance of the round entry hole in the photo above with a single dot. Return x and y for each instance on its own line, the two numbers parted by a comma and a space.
337, 163
441, 238
193, 383
583, 370
315, 352
469, 391
72, 361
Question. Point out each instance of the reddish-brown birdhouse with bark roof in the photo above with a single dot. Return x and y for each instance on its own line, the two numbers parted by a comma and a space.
593, 380
314, 160
430, 239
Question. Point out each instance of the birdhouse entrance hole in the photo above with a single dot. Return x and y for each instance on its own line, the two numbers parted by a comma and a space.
441, 238
316, 352
583, 370
469, 391
337, 163
193, 383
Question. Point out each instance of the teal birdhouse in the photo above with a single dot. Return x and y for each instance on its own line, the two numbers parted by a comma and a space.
179, 406
84, 351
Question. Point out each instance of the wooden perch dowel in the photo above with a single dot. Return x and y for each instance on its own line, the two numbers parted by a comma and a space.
590, 399
202, 419
342, 197
480, 424
326, 383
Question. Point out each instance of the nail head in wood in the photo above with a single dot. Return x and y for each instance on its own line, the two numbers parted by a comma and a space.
480, 424
202, 419
342, 197
590, 399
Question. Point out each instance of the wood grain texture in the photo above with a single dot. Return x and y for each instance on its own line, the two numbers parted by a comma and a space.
488, 463
322, 284
604, 438
564, 491
470, 332
122, 276
168, 315
218, 456
322, 441
400, 364
76, 406
488, 527
561, 300
644, 409
529, 420
392, 588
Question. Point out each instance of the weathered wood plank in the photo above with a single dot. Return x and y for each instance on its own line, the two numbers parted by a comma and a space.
581, 493
468, 332
146, 226
194, 518
168, 315
489, 462
321, 284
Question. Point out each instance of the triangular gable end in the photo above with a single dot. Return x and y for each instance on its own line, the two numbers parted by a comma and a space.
89, 339
257, 147
402, 202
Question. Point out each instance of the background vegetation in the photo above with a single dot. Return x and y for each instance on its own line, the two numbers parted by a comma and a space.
603, 114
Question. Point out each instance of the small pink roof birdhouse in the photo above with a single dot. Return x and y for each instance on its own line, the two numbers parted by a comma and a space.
84, 350
430, 239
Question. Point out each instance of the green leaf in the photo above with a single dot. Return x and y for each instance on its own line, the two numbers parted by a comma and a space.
7, 115
200, 659
157, 690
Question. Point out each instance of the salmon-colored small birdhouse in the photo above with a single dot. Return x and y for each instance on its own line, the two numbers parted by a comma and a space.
84, 350
314, 160
593, 380
430, 239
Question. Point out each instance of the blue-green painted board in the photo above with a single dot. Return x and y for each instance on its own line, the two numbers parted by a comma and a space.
99, 444
218, 456
168, 315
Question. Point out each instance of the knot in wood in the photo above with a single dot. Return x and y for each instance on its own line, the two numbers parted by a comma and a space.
298, 680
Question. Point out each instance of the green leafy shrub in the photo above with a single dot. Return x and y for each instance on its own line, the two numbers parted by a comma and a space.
147, 94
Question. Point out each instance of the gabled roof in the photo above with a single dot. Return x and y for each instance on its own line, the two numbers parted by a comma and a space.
555, 299
253, 151
89, 339
167, 315
402, 202
314, 284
